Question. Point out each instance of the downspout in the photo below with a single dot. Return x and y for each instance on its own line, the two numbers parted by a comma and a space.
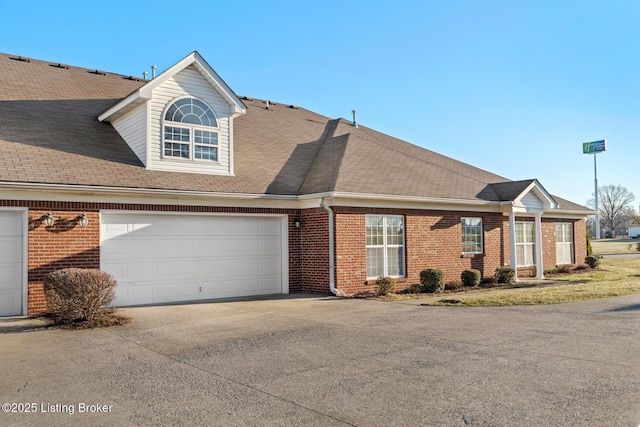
332, 262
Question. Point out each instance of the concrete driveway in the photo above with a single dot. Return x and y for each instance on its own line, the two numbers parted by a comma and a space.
326, 361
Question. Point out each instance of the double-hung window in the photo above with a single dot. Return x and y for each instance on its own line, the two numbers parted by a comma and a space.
190, 131
472, 236
525, 244
385, 246
564, 243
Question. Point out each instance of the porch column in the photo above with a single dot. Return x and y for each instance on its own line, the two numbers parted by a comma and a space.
512, 242
539, 266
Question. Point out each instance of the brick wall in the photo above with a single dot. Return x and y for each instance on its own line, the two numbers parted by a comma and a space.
67, 244
433, 239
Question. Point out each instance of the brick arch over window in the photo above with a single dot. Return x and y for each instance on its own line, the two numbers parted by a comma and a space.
190, 131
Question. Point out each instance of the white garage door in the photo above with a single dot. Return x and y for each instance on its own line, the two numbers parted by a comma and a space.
163, 258
11, 262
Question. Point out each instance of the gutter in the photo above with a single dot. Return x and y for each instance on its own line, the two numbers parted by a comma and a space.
332, 262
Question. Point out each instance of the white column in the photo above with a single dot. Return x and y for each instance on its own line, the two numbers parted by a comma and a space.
512, 240
539, 266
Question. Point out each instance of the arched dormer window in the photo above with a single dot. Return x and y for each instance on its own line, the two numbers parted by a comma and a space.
190, 131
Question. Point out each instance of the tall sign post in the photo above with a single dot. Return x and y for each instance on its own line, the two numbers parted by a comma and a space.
595, 147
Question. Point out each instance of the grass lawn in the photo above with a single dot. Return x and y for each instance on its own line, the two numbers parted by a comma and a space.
621, 245
615, 277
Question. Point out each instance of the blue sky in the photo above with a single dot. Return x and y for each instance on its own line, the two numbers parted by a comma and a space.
513, 87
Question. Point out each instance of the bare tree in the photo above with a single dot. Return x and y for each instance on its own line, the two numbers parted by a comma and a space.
614, 203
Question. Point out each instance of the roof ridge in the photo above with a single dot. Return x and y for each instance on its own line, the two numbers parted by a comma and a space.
329, 130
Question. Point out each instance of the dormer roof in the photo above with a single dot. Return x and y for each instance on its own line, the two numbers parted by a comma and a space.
145, 92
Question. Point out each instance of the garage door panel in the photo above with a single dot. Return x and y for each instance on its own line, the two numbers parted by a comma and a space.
12, 265
162, 258
11, 249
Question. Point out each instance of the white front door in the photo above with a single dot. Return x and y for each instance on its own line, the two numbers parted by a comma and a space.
180, 257
11, 262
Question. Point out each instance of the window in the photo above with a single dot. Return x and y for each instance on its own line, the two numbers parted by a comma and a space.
385, 245
190, 131
472, 236
564, 243
525, 243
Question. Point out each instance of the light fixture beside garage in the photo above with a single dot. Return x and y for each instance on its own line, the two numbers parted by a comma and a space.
297, 221
48, 219
83, 220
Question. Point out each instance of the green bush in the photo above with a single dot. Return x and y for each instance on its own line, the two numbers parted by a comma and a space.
386, 285
592, 261
471, 277
504, 274
432, 280
79, 295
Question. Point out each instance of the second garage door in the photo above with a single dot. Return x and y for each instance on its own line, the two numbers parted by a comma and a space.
160, 258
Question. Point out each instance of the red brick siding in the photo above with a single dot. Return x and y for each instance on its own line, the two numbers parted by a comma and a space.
67, 244
314, 250
433, 239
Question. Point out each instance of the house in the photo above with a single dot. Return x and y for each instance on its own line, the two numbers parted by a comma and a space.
185, 191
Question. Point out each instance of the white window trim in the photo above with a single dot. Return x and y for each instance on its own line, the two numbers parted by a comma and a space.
481, 235
385, 246
192, 128
563, 242
526, 245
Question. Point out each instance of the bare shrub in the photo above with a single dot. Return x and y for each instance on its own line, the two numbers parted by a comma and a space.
386, 285
77, 295
488, 282
454, 285
414, 289
565, 268
581, 267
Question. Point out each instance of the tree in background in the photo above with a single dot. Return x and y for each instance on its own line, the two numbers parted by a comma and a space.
614, 203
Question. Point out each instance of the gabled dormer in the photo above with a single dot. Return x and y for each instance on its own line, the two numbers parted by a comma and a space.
180, 121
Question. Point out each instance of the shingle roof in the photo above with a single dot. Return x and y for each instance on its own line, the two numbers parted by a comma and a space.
49, 133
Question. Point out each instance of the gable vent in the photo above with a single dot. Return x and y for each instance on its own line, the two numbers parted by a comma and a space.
20, 58
97, 72
58, 65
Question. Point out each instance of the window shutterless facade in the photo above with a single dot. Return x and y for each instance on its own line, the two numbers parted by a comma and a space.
190, 131
525, 244
472, 242
385, 246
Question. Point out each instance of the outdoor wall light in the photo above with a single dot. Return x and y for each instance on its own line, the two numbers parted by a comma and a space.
83, 220
297, 221
48, 219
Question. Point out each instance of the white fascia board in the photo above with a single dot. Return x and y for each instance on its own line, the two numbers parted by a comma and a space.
127, 104
547, 200
96, 194
145, 92
213, 77
404, 202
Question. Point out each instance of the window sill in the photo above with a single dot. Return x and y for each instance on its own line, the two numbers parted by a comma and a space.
478, 255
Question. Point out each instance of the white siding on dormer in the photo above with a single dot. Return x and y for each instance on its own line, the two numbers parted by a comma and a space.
189, 82
531, 202
132, 128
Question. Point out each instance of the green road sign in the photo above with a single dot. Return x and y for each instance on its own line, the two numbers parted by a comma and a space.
594, 147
